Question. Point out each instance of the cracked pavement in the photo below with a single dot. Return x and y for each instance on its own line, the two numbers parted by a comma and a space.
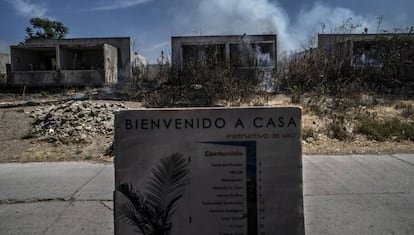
352, 194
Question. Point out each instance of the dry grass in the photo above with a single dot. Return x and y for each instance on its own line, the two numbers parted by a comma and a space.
366, 124
330, 126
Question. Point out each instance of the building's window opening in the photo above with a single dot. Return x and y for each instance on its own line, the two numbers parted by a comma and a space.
366, 53
82, 58
252, 55
211, 55
35, 59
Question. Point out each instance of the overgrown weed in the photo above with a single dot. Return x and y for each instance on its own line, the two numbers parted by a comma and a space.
381, 130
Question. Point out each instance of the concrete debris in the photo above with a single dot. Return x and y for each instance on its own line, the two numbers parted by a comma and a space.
80, 96
74, 121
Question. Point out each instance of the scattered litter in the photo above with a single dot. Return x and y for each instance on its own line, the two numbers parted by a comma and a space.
74, 121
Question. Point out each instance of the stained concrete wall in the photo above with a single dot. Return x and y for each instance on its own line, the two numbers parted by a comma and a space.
4, 59
110, 61
56, 78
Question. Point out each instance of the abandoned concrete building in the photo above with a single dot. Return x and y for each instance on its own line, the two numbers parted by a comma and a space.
353, 45
371, 49
71, 62
249, 55
4, 60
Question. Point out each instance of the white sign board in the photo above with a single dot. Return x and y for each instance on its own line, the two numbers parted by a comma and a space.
234, 171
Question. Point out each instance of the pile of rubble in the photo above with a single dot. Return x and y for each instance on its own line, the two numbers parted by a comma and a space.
74, 121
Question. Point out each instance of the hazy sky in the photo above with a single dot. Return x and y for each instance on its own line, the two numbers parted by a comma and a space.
151, 23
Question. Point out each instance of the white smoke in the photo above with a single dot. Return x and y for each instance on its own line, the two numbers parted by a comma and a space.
210, 17
324, 19
138, 64
28, 8
4, 46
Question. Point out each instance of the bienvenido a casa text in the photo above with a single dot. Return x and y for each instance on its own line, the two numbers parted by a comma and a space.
210, 123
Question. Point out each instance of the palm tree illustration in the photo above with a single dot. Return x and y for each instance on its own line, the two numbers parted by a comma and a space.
150, 212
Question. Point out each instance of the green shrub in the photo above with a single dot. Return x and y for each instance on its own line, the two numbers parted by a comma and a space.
382, 130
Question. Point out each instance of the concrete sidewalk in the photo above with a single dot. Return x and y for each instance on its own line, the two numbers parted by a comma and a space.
356, 194
56, 198
366, 194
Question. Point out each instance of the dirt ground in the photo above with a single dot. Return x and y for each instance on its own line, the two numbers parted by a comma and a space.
16, 124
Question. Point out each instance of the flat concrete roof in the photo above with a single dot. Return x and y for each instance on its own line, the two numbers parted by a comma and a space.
66, 41
231, 35
367, 34
52, 47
